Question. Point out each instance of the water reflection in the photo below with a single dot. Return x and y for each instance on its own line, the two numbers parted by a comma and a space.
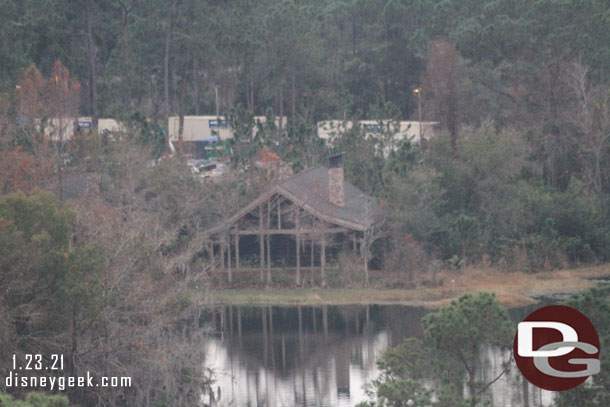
322, 356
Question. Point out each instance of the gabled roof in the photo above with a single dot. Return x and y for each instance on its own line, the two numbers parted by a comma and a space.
309, 190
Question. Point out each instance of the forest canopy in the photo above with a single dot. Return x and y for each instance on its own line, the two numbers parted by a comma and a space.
517, 178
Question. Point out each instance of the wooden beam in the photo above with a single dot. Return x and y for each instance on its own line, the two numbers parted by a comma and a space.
315, 211
291, 231
244, 269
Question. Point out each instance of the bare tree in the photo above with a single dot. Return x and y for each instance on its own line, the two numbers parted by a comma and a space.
592, 118
91, 62
168, 41
442, 86
126, 8
62, 100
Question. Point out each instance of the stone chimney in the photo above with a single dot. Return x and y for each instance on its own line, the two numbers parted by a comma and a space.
336, 194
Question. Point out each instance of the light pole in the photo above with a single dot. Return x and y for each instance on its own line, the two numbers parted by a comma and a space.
417, 91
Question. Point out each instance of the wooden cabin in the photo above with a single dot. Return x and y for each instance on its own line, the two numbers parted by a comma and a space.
296, 224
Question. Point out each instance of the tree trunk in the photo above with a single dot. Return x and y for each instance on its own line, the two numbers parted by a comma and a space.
293, 104
281, 106
168, 39
91, 51
248, 101
125, 39
181, 106
252, 95
74, 347
196, 87
217, 107
452, 121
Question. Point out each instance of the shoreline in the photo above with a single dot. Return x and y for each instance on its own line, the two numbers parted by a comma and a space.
513, 289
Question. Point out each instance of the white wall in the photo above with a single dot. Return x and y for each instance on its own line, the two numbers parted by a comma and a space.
330, 130
201, 127
55, 125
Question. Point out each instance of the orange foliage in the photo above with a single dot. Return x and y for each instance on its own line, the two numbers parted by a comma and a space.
62, 92
30, 95
272, 164
17, 171
57, 98
267, 156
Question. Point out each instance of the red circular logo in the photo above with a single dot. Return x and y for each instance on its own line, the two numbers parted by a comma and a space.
556, 348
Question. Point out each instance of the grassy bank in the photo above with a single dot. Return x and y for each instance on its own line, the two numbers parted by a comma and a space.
512, 289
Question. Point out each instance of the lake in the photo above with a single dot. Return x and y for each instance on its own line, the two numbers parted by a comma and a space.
322, 356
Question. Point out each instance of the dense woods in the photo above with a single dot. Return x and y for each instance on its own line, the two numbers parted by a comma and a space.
517, 179
520, 88
507, 60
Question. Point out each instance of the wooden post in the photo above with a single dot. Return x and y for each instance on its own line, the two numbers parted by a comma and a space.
268, 244
228, 247
366, 268
279, 213
261, 241
311, 261
236, 250
222, 254
298, 242
323, 259
364, 247
211, 255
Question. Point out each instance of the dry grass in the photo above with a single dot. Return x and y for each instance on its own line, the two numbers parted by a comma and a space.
512, 289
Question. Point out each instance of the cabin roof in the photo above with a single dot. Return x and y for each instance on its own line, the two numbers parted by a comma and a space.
309, 190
